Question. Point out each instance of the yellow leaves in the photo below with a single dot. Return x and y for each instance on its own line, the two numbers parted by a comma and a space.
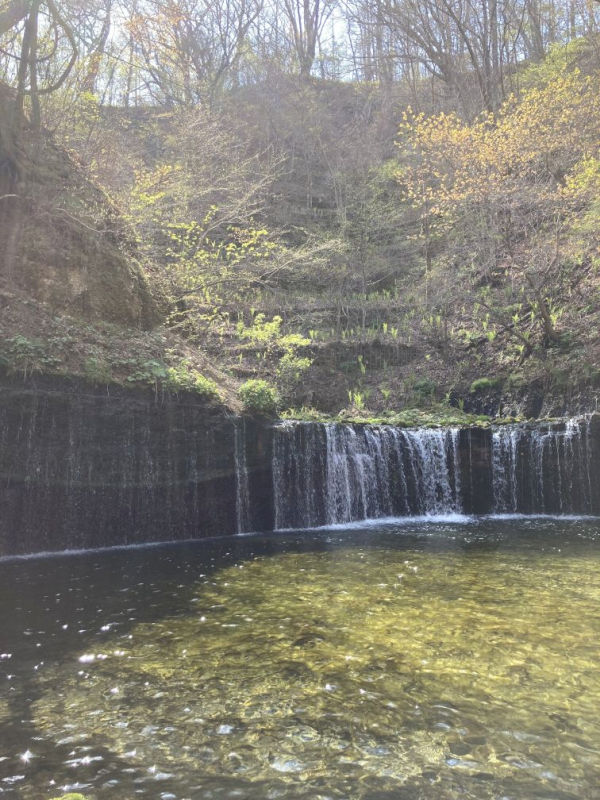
533, 139
584, 179
581, 190
210, 214
560, 58
152, 186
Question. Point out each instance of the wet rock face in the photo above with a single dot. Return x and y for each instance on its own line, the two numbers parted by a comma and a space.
548, 467
257, 447
475, 464
84, 468
534, 400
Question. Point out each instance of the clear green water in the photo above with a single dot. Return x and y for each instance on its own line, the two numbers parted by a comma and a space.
452, 661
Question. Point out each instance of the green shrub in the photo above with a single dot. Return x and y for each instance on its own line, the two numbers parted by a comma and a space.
358, 399
291, 368
261, 330
485, 384
292, 341
269, 333
97, 370
516, 381
290, 371
305, 414
150, 371
424, 387
185, 378
20, 354
258, 397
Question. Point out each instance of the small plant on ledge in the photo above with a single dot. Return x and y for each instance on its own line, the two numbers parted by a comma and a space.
258, 397
184, 377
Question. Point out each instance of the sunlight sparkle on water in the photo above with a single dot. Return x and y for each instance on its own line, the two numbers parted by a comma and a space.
360, 669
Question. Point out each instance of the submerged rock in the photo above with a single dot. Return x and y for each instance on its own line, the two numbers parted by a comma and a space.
432, 677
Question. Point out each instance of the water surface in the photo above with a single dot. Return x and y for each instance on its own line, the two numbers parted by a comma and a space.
449, 660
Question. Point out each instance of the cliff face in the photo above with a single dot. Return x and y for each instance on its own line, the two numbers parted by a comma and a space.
80, 467
62, 242
84, 467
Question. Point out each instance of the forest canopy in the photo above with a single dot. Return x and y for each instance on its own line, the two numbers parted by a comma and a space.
423, 173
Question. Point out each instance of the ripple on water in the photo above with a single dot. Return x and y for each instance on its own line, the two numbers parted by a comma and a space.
358, 673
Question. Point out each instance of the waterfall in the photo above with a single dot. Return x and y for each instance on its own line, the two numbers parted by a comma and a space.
242, 485
544, 468
505, 445
327, 473
433, 461
88, 469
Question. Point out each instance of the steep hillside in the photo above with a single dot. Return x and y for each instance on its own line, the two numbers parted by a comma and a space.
361, 259
65, 244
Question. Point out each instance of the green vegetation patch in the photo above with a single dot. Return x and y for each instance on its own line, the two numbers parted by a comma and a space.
437, 416
27, 355
70, 796
184, 377
485, 385
258, 397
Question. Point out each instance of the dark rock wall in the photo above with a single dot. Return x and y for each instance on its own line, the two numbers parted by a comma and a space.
83, 467
534, 399
475, 465
258, 446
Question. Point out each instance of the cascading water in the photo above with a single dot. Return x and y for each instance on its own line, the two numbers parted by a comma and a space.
91, 469
327, 473
505, 444
242, 485
334, 473
546, 468
299, 475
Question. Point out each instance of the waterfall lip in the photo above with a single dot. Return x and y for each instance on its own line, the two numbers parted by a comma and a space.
541, 423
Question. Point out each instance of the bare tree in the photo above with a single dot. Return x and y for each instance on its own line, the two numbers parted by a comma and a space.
461, 42
307, 19
190, 48
96, 43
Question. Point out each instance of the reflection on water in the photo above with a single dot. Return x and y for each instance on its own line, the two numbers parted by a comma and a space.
458, 661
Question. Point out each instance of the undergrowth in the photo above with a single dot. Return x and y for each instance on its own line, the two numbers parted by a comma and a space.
440, 415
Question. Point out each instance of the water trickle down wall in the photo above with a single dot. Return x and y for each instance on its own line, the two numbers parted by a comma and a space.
548, 468
86, 467
80, 467
253, 475
333, 473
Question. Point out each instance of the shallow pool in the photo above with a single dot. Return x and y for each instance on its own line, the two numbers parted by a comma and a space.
431, 660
